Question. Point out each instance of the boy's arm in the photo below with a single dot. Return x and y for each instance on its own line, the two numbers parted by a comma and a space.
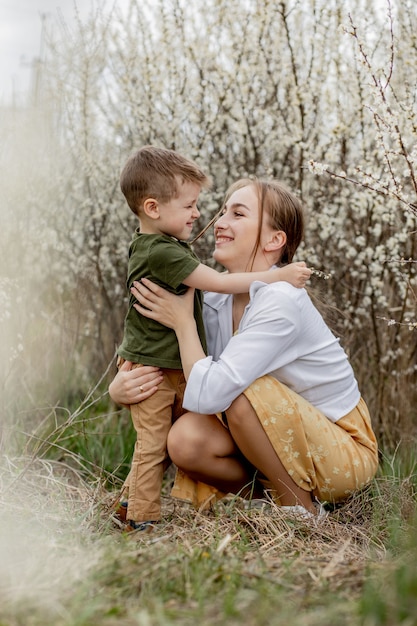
208, 279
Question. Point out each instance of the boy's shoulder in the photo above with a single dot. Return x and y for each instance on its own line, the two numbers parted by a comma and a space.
163, 256
149, 238
163, 243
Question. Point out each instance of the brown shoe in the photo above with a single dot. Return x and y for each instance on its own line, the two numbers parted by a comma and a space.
120, 511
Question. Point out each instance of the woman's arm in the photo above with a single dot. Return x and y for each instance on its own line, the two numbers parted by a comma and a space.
176, 312
265, 344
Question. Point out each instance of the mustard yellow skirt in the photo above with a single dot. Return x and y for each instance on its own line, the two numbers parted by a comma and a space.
332, 460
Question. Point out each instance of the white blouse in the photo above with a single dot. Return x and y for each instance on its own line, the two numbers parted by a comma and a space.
281, 333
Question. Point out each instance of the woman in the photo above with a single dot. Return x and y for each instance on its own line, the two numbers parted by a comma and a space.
290, 407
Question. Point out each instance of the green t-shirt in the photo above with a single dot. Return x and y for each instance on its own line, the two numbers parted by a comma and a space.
167, 262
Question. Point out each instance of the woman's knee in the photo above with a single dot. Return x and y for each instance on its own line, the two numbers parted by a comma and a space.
185, 441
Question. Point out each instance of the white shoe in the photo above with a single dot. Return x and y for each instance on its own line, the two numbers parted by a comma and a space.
300, 512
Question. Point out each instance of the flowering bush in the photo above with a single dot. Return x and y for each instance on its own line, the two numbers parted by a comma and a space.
303, 91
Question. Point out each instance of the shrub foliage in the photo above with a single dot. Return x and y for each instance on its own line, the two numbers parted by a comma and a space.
323, 99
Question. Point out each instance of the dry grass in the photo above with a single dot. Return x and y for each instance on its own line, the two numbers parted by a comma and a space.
65, 561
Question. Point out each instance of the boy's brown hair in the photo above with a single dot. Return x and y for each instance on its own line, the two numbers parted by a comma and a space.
154, 173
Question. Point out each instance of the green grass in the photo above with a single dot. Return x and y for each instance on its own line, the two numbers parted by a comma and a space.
95, 438
64, 562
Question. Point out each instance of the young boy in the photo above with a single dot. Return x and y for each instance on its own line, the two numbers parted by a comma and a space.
162, 188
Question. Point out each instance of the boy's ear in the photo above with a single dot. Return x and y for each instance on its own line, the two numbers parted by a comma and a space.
277, 241
151, 208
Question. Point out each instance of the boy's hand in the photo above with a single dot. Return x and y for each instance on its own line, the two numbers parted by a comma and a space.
295, 273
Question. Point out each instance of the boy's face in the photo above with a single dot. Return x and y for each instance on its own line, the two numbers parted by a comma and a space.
177, 216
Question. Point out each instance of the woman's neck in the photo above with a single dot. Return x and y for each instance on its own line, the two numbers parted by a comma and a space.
240, 302
261, 263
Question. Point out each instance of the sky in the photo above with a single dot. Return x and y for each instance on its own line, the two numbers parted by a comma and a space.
20, 37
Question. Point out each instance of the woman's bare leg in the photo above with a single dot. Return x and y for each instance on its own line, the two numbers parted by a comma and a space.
254, 444
203, 449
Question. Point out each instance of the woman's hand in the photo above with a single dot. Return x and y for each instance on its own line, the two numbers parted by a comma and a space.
176, 312
161, 305
131, 386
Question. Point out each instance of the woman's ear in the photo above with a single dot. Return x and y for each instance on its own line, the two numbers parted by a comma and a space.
151, 208
277, 241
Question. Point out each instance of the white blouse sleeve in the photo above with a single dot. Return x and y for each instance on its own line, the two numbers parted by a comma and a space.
266, 341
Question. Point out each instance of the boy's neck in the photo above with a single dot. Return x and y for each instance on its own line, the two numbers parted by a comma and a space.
146, 228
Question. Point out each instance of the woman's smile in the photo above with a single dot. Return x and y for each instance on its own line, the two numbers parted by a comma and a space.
220, 239
236, 231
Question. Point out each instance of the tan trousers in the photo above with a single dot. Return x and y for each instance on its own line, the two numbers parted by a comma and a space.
152, 420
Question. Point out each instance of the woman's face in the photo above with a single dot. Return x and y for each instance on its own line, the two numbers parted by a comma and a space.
236, 231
